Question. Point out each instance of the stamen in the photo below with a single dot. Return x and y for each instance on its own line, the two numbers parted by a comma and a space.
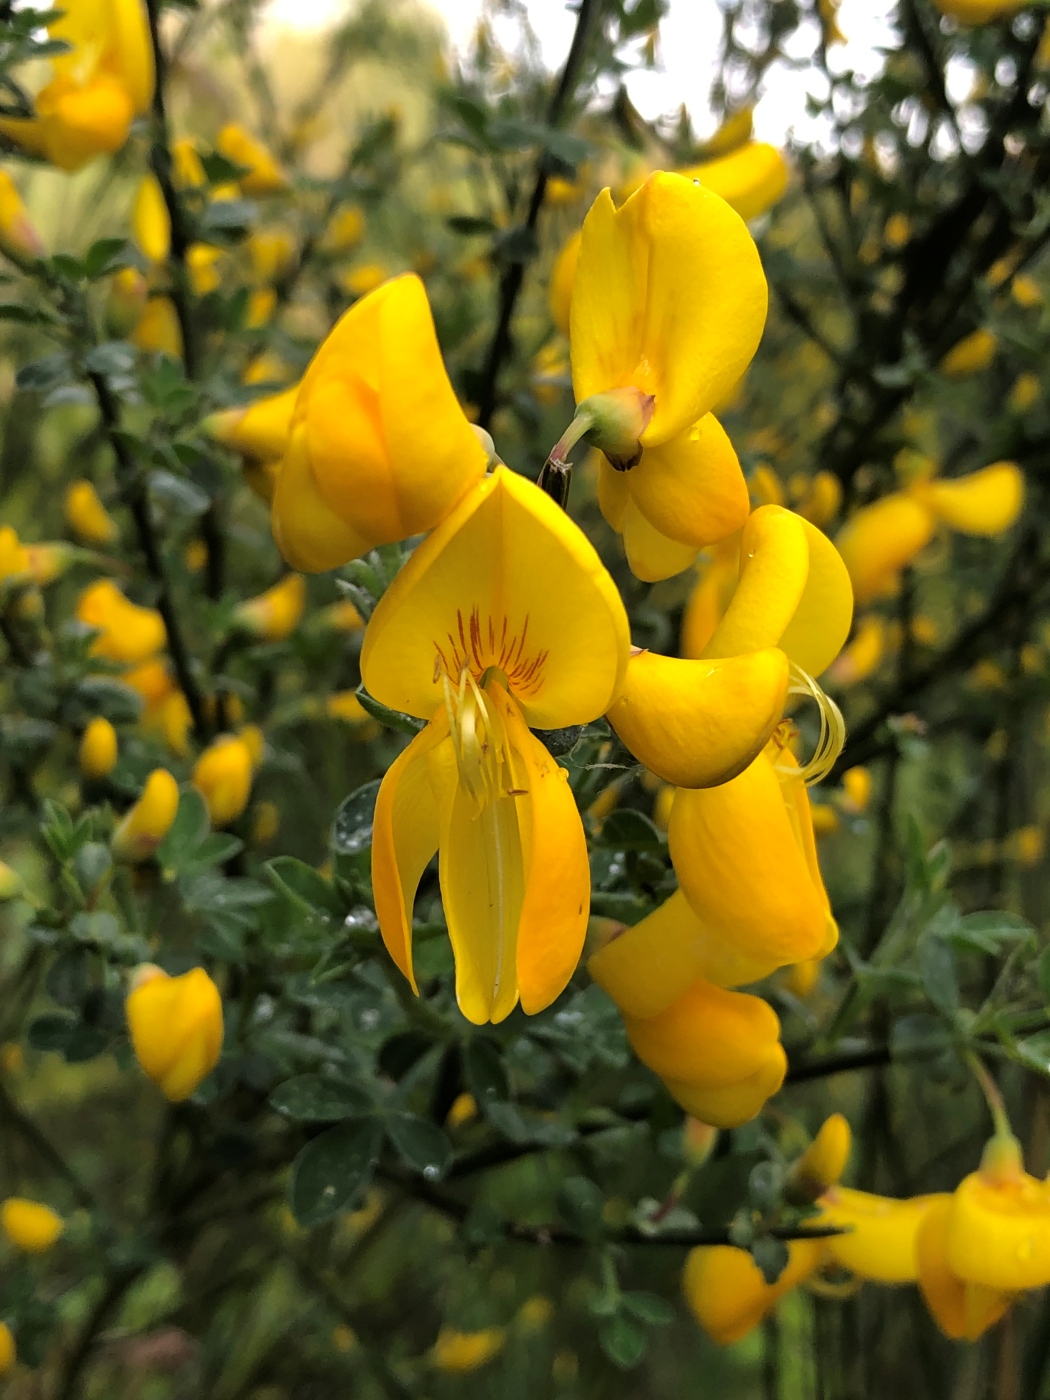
832, 726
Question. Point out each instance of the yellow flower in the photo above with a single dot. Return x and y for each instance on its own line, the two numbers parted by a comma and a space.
856, 790
986, 502
998, 1230
8, 1355
682, 496
98, 748
176, 1028
750, 179
345, 706
363, 278
264, 175
824, 1160
345, 230
48, 561
563, 275
380, 448
259, 432
223, 777
201, 260
145, 825
261, 304
699, 723
99, 86
18, 238
14, 557
272, 252
158, 328
11, 883
127, 301
727, 1292
879, 1233
717, 1051
466, 1351
731, 135
150, 220
1025, 391
464, 1108
970, 355
187, 167
126, 631
668, 304
275, 614
535, 1312
822, 501
861, 658
962, 1310
502, 620
87, 516
30, 1226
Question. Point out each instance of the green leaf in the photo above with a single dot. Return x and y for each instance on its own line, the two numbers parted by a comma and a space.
986, 932
332, 1168
623, 1341
1035, 1052
393, 719
627, 830
648, 1307
771, 1256
421, 1143
187, 832
580, 1205
937, 968
311, 1098
40, 375
1044, 976
352, 827
108, 255
303, 885
485, 1072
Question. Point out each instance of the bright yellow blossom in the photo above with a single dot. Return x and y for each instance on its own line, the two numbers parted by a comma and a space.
18, 238
98, 748
275, 614
176, 1028
150, 220
727, 1292
263, 174
223, 777
970, 355
8, 1354
750, 179
563, 275
87, 516
100, 84
127, 632
466, 1351
502, 620
145, 825
30, 1226
379, 448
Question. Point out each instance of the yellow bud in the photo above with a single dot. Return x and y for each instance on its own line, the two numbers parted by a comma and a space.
261, 305
364, 278
275, 614
176, 1028
856, 790
463, 1109
87, 517
1025, 392
265, 175
970, 355
145, 825
98, 748
150, 220
223, 777
698, 1141
764, 486
345, 230
824, 1160
158, 328
266, 822
18, 238
127, 302
127, 632
535, 1312
466, 1351
30, 1226
14, 557
201, 260
563, 274
8, 1354
188, 170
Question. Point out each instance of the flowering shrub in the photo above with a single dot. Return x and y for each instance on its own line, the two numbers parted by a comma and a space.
523, 710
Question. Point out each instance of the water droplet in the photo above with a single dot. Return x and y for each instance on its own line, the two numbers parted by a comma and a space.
431, 1172
328, 1191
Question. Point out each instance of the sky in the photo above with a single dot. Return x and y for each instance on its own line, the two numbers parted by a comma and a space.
689, 35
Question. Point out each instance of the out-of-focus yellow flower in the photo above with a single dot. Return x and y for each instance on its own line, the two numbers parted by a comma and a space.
1026, 291
801, 978
87, 517
345, 230
346, 707
48, 561
266, 822
379, 448
734, 132
822, 501
100, 84
202, 261
549, 376
561, 191
11, 883
1026, 845
264, 174
18, 238
860, 659
98, 748
878, 1239
8, 1354
464, 1108
12, 1056
563, 275
985, 502
150, 220
261, 304
158, 328
764, 486
187, 167
825, 819
856, 790
535, 1312
824, 1160
363, 278
341, 617
14, 557
970, 355
272, 253
260, 433
344, 1338
533, 634
275, 614
176, 1028
223, 777
750, 179
466, 1351
698, 723
668, 305
127, 632
897, 230
727, 1292
29, 1225
979, 11
829, 21
1024, 392
126, 302
145, 825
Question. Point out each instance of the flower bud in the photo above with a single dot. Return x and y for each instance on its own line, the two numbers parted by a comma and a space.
127, 301
14, 557
19, 240
8, 1354
345, 230
275, 614
459, 1352
87, 517
145, 825
49, 561
822, 1163
150, 220
223, 777
975, 352
98, 748
264, 174
618, 418
158, 329
187, 167
30, 1226
176, 1028
380, 448
128, 633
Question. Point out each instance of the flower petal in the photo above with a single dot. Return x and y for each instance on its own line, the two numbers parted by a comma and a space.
882, 539
699, 723
963, 1311
307, 531
984, 503
691, 488
750, 179
506, 580
879, 1238
405, 832
651, 555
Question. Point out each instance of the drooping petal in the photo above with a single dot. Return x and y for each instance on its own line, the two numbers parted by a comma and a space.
557, 899
879, 1233
307, 531
405, 834
650, 554
882, 539
794, 592
614, 492
647, 967
669, 297
699, 723
750, 179
984, 503
710, 597
728, 1293
963, 1311
999, 1232
691, 488
730, 1105
507, 580
740, 865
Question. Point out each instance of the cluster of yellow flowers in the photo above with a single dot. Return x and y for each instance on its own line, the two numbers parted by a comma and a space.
973, 1252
